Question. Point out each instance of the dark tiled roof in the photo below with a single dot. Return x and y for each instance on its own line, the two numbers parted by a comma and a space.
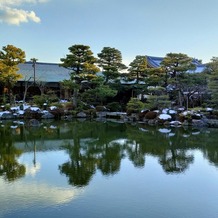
155, 62
45, 72
49, 72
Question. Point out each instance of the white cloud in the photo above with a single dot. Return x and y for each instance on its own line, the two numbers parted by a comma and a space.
20, 2
16, 16
9, 13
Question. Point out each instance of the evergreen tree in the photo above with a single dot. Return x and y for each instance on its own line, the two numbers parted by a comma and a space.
81, 63
176, 65
212, 71
10, 57
110, 60
138, 67
99, 92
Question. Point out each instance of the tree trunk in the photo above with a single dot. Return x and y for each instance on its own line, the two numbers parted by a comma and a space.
25, 92
180, 99
75, 95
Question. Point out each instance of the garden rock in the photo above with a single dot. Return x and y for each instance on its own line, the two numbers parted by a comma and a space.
150, 115
47, 115
81, 115
7, 115
34, 123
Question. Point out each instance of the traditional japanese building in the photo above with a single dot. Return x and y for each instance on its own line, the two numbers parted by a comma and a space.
42, 77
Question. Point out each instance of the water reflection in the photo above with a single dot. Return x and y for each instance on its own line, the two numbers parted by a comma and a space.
10, 168
93, 146
33, 193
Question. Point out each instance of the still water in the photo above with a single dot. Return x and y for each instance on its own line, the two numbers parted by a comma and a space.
107, 169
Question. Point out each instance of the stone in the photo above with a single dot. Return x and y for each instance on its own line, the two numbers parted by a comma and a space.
152, 122
175, 123
164, 117
7, 116
34, 122
150, 115
199, 123
212, 123
47, 115
81, 115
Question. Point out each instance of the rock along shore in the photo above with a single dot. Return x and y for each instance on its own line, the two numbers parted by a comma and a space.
170, 117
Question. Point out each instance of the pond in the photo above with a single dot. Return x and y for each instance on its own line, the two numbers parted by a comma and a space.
107, 169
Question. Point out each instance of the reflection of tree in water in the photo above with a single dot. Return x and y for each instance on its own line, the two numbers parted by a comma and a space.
10, 168
103, 150
155, 143
110, 159
80, 168
212, 155
102, 146
210, 148
101, 153
175, 160
135, 153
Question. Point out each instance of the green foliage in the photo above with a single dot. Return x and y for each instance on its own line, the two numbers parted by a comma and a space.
134, 105
10, 57
110, 60
114, 106
48, 98
81, 62
157, 102
156, 77
69, 84
6, 107
89, 96
98, 94
212, 77
100, 108
176, 63
213, 89
178, 67
57, 104
138, 68
104, 91
90, 112
156, 90
39, 100
68, 106
52, 97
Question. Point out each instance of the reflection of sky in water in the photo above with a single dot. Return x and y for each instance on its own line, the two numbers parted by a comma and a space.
37, 189
32, 169
132, 191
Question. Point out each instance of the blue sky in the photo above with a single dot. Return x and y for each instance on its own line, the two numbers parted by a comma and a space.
45, 29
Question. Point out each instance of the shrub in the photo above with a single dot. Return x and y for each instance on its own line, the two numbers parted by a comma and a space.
160, 102
114, 106
68, 106
134, 106
51, 96
100, 108
39, 100
90, 112
57, 104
